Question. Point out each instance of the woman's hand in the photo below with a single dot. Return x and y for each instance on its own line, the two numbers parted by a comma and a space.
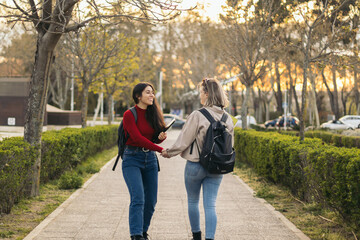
165, 154
162, 136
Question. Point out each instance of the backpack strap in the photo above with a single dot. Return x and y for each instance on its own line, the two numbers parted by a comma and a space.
224, 118
207, 115
133, 110
211, 120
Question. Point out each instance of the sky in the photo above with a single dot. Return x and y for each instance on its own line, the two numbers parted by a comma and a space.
212, 7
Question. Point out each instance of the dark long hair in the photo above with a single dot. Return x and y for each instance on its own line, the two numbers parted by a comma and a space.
153, 114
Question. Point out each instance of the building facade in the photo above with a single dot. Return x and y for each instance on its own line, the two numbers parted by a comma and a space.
14, 92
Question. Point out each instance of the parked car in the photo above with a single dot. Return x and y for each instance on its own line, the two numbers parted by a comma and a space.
352, 120
291, 121
179, 122
250, 120
271, 123
336, 125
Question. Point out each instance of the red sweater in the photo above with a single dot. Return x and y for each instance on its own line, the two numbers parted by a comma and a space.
140, 133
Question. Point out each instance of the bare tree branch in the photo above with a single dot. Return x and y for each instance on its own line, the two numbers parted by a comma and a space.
21, 10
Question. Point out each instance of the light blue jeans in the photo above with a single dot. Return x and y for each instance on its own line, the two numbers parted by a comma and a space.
195, 177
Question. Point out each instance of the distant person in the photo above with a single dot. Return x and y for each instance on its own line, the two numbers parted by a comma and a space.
189, 145
140, 165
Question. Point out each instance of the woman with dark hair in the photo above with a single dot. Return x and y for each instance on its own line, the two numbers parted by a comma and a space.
189, 145
140, 166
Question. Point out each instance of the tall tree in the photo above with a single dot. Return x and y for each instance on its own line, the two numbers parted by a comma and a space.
313, 19
62, 72
93, 48
117, 73
333, 94
246, 42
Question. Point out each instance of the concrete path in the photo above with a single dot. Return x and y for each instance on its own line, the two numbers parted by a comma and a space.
99, 210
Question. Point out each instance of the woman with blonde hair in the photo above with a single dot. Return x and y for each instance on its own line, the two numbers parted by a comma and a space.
189, 145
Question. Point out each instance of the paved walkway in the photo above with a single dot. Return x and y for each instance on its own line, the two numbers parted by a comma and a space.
99, 210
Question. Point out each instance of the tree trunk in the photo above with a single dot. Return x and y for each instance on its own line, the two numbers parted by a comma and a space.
259, 116
291, 84
335, 93
331, 96
244, 108
59, 89
267, 111
278, 93
84, 104
303, 98
110, 109
295, 94
36, 108
256, 103
344, 99
97, 109
313, 97
356, 91
234, 99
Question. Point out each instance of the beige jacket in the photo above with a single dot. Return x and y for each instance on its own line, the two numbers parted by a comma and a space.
195, 128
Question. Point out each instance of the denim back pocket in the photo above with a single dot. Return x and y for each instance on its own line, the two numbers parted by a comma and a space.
192, 168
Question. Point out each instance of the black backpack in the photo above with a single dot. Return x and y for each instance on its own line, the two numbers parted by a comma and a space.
122, 138
217, 155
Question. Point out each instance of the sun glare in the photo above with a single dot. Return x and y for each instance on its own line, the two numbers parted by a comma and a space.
212, 9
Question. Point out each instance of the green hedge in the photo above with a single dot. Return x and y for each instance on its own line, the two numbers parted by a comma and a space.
61, 151
311, 169
64, 149
16, 158
331, 138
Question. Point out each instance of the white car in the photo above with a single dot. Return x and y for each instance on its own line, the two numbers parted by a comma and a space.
352, 120
179, 122
249, 120
336, 125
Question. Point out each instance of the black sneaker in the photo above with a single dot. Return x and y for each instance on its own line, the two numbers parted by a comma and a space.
146, 236
137, 237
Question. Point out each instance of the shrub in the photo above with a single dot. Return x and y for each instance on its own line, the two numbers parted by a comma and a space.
331, 138
63, 150
92, 168
16, 159
70, 180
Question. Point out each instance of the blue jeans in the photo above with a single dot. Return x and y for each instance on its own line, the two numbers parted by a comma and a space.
140, 171
195, 177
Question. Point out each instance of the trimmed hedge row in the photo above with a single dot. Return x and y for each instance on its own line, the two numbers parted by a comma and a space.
64, 149
61, 151
16, 158
311, 169
331, 138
